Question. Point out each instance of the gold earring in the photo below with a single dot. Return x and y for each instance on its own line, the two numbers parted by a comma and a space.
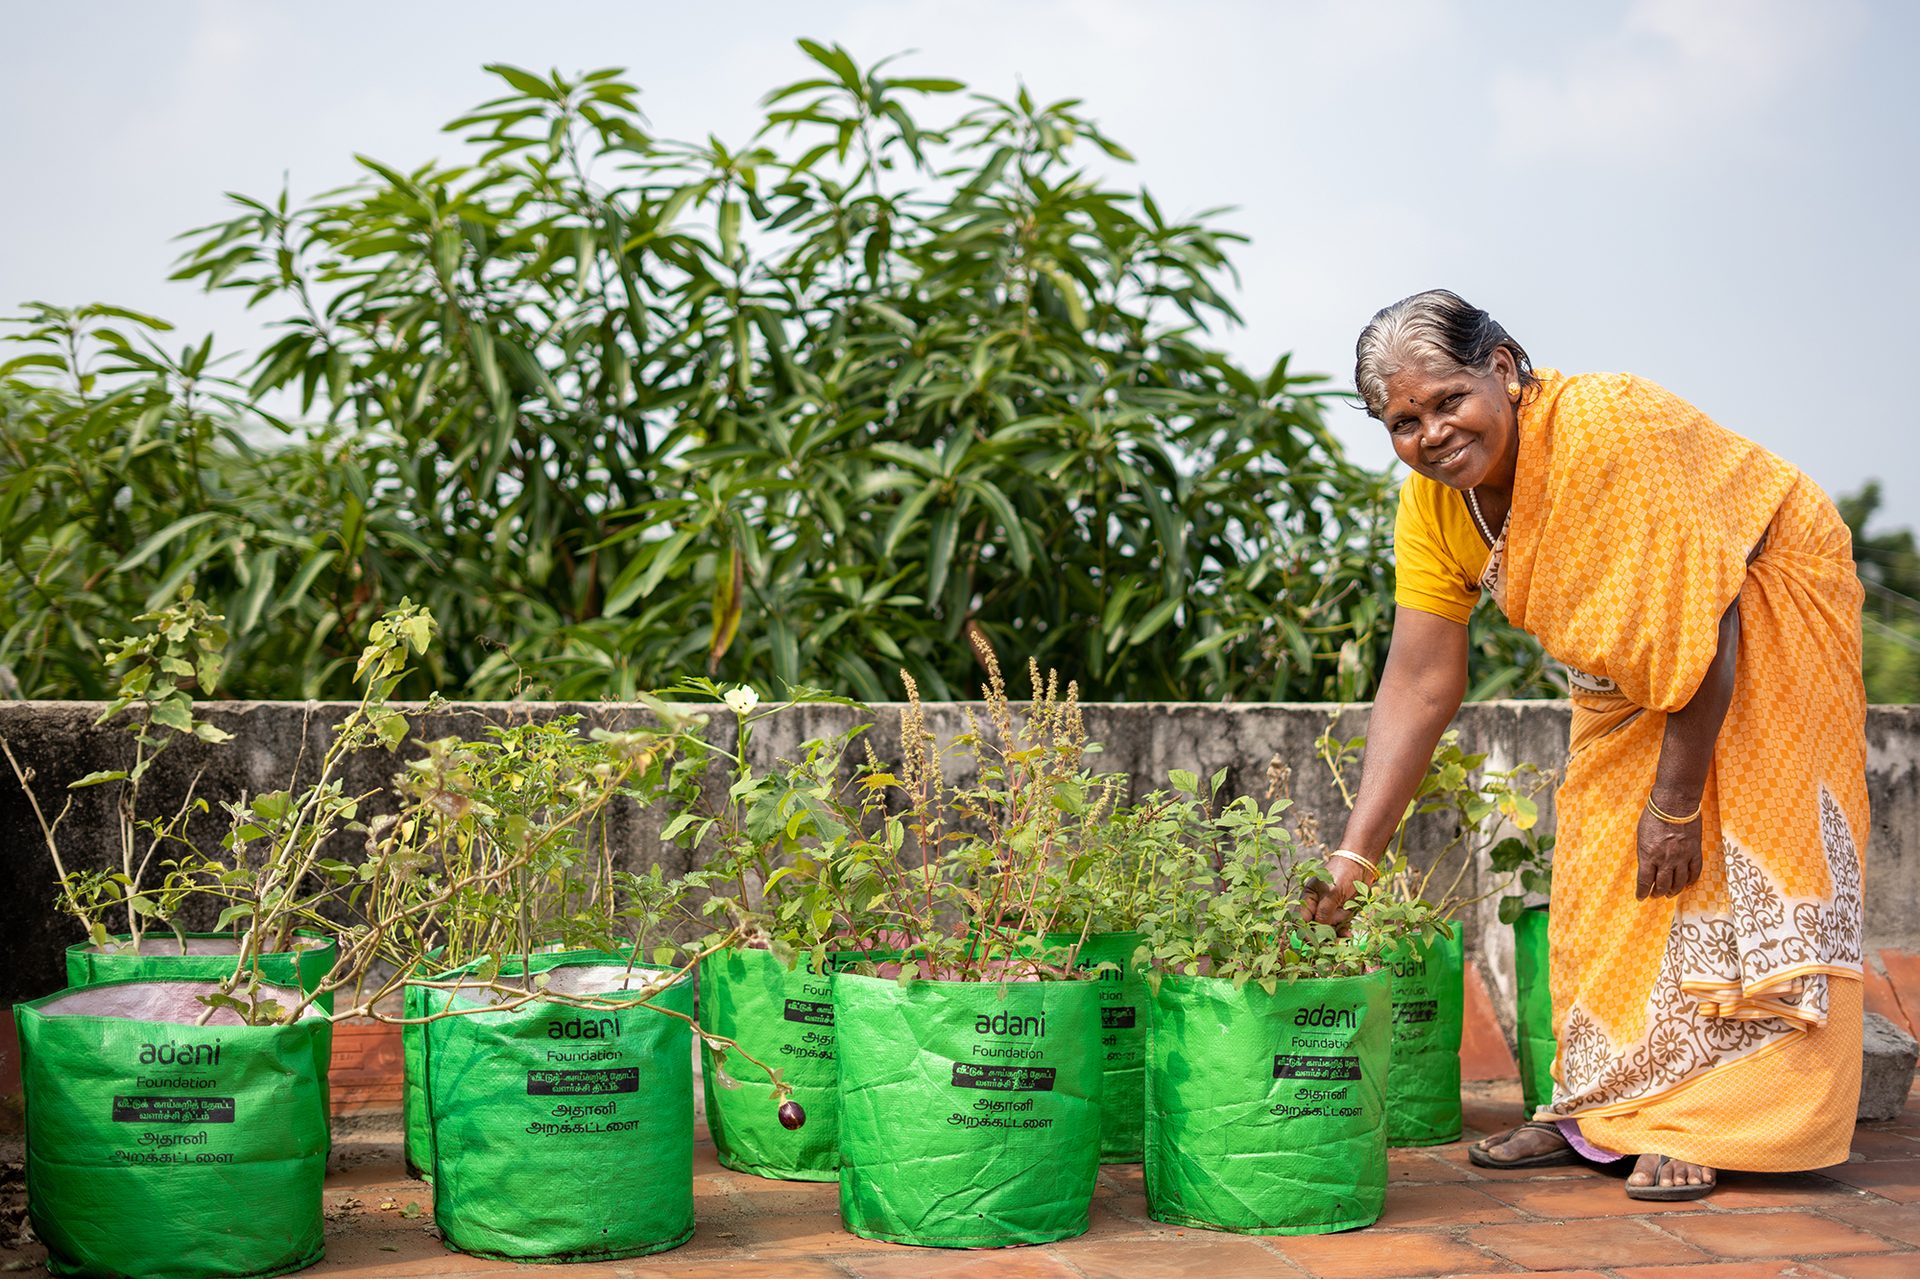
1513, 390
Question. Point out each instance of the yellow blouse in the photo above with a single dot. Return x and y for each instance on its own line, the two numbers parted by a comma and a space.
1438, 555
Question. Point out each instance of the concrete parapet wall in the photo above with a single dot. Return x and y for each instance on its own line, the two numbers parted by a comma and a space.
59, 742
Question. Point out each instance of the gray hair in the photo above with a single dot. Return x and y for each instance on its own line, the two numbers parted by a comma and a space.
1437, 330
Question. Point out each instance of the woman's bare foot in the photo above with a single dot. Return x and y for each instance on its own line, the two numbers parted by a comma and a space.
1531, 1145
1658, 1177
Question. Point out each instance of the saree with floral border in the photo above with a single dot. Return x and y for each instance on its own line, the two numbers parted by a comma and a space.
1723, 1026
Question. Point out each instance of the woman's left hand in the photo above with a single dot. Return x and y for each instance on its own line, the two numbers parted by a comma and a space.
1670, 858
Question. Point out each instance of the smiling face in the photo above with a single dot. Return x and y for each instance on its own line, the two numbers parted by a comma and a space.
1456, 427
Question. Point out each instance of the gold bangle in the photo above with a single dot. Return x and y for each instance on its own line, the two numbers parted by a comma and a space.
1347, 854
1669, 818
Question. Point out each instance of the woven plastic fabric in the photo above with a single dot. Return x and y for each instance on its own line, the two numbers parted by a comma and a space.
1123, 1041
1533, 1010
969, 1111
162, 1149
1423, 1081
1266, 1113
785, 1017
563, 1133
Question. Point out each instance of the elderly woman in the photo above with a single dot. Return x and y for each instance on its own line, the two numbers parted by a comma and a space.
1705, 925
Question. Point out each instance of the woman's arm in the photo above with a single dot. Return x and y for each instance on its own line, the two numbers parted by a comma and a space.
1420, 690
1670, 855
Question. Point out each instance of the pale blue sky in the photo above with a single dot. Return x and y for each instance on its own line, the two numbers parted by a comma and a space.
1717, 194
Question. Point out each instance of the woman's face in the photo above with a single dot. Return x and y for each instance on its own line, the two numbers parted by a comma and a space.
1455, 427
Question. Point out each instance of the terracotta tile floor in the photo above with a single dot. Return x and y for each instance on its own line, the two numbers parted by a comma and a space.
1443, 1217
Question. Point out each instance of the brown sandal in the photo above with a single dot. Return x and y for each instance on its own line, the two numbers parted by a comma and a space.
1484, 1158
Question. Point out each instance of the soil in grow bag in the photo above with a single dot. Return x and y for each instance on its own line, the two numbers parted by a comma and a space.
563, 1133
206, 957
1266, 1113
1123, 1041
163, 1149
783, 1016
1533, 1011
1423, 1081
969, 1111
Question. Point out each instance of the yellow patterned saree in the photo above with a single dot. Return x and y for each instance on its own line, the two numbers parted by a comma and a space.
1721, 1027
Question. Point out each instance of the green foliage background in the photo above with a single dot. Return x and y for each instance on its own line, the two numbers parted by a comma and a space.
1890, 570
620, 409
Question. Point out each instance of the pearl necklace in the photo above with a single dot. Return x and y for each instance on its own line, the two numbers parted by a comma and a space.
1473, 504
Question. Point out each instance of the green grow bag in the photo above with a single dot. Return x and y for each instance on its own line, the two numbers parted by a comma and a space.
1423, 1081
969, 1111
1266, 1113
413, 1084
1533, 1008
1123, 1041
563, 1133
783, 1016
417, 1129
207, 957
160, 1149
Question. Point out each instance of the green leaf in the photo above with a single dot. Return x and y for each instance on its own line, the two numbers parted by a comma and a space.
154, 543
175, 713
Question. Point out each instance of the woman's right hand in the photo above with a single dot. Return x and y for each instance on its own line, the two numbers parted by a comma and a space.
1330, 904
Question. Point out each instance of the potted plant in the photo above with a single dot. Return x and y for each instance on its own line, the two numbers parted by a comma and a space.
559, 1086
1429, 970
1267, 1052
770, 841
168, 1138
553, 1060
970, 1080
505, 835
1103, 896
167, 1091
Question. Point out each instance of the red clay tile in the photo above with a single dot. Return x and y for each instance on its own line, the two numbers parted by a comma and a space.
923, 1263
1194, 1253
1895, 1179
1903, 1265
1450, 1204
1605, 1243
1780, 1190
1492, 1112
805, 1234
756, 1195
1379, 1255
1483, 1049
1416, 1166
1878, 1141
9, 1053
1724, 1270
1903, 974
1597, 1197
1536, 1274
1895, 1221
1773, 1234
